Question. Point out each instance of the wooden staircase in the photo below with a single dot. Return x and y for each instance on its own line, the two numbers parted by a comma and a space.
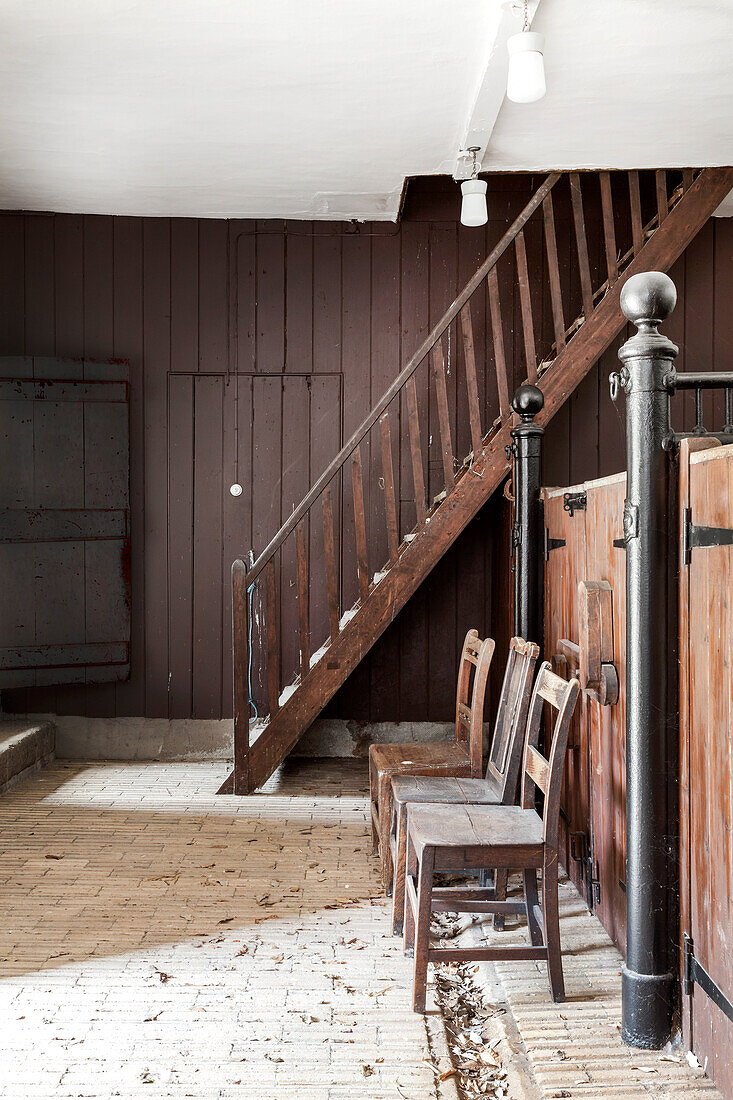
681, 204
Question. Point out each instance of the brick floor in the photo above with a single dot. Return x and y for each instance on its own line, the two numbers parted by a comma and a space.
574, 1049
158, 940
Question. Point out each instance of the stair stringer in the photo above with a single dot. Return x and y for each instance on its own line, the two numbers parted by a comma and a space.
474, 485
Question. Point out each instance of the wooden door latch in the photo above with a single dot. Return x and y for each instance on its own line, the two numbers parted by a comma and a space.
591, 658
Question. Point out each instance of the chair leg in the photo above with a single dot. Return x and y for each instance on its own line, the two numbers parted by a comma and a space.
422, 931
409, 917
501, 874
531, 898
398, 880
385, 815
374, 811
550, 914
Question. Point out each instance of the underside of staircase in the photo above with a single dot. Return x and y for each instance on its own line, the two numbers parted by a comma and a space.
683, 203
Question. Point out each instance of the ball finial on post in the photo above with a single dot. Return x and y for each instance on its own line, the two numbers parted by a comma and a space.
648, 298
528, 401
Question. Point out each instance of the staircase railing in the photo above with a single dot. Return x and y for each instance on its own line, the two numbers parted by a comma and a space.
571, 293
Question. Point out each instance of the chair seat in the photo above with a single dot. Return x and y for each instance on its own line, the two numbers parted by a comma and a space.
496, 829
455, 791
450, 757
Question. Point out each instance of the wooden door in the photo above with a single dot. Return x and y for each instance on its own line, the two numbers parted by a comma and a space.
64, 522
565, 566
582, 522
607, 724
226, 431
706, 712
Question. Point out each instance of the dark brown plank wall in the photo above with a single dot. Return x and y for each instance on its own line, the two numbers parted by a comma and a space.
256, 348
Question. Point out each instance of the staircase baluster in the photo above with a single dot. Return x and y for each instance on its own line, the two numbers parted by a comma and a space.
497, 332
637, 225
441, 393
609, 228
469, 355
413, 424
240, 653
362, 560
688, 178
553, 269
389, 490
301, 555
660, 178
525, 298
581, 240
273, 648
329, 551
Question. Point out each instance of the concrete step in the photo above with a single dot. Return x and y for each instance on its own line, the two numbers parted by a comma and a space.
24, 747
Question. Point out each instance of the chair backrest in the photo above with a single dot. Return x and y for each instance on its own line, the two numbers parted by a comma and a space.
562, 696
507, 744
473, 673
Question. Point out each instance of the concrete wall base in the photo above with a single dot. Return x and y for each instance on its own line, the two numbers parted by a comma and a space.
25, 746
80, 738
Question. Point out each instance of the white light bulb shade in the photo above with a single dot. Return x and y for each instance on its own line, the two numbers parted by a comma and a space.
526, 79
473, 206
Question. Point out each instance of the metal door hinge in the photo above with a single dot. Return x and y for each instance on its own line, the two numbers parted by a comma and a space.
551, 544
575, 502
696, 974
701, 538
581, 852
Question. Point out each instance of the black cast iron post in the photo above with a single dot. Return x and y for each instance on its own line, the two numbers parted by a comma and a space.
526, 450
647, 357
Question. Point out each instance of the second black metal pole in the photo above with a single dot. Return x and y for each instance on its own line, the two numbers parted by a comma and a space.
526, 449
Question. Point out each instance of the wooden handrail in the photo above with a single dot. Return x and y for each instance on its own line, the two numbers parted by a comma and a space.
414, 362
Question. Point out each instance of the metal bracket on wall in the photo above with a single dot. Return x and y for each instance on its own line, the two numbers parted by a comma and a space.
551, 544
701, 538
696, 974
575, 502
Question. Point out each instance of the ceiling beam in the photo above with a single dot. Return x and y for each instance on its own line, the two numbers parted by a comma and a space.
489, 91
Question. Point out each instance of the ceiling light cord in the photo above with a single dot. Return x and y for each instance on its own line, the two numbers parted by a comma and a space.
525, 23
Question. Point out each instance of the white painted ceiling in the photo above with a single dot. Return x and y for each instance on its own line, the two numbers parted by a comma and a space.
322, 108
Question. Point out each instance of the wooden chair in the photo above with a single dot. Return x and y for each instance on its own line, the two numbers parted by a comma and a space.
453, 838
464, 756
498, 787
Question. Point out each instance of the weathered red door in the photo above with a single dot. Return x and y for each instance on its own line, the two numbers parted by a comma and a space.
706, 713
583, 522
565, 554
607, 724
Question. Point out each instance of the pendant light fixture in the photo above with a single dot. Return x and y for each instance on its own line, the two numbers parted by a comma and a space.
473, 205
526, 79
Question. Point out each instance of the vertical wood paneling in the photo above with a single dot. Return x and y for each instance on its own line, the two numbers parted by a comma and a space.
156, 360
98, 324
207, 564
181, 526
127, 343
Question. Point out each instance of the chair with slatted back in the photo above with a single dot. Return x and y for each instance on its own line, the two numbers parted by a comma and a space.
498, 787
444, 838
462, 757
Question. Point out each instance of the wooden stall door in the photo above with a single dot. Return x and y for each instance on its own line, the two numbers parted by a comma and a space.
64, 522
607, 724
565, 565
579, 540
707, 766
